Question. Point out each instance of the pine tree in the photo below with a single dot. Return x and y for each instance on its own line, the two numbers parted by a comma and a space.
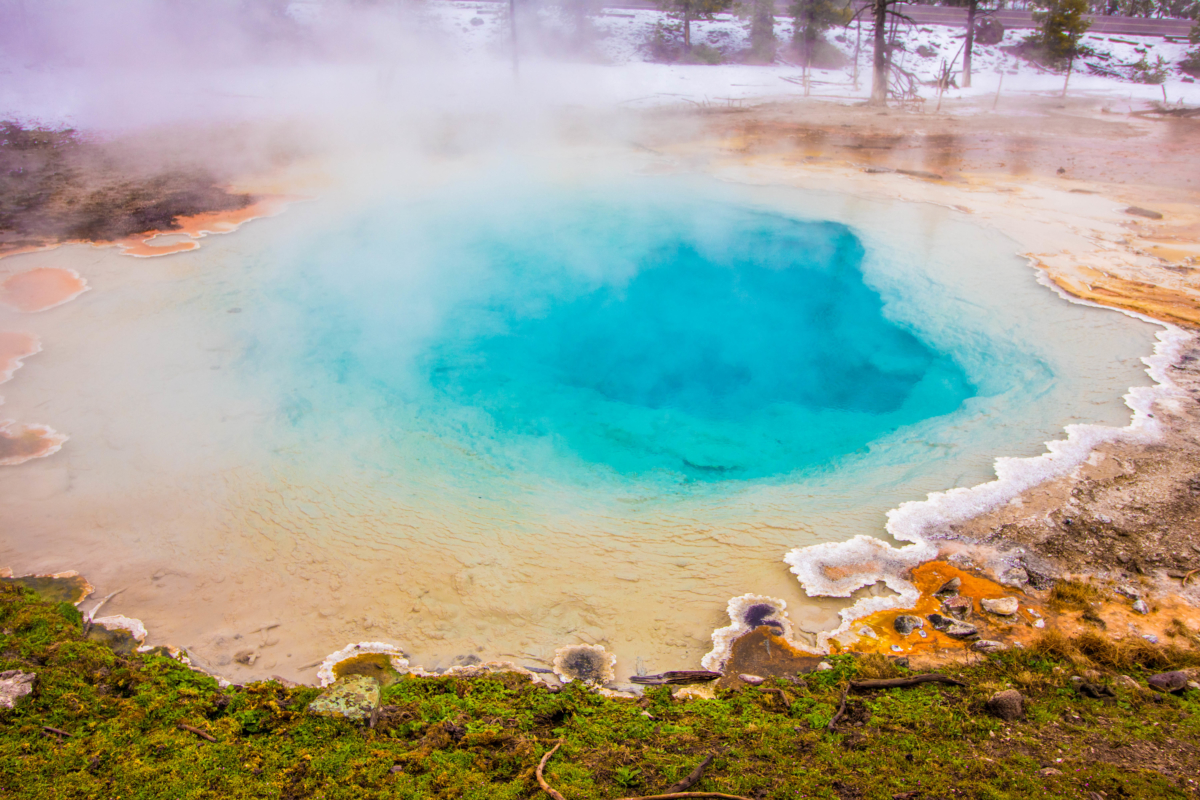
812, 18
762, 31
1062, 24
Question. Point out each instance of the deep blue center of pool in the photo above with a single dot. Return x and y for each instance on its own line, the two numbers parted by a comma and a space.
665, 337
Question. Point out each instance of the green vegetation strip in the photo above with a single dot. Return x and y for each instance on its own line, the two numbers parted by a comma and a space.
103, 725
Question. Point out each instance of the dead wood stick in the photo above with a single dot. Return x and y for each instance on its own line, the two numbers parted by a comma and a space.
900, 683
841, 709
92, 614
183, 726
770, 690
677, 676
674, 795
541, 766
692, 778
56, 731
1188, 576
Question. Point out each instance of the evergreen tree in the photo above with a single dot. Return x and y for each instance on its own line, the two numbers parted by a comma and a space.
811, 19
1061, 26
762, 31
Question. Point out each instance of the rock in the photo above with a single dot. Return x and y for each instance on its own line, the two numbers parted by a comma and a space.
353, 697
1140, 607
246, 657
950, 587
15, 686
925, 51
1168, 681
1004, 606
988, 646
907, 623
1008, 705
989, 31
1017, 576
1128, 591
1127, 683
1049, 772
1041, 623
1194, 686
824, 666
958, 606
1138, 211
961, 630
939, 622
753, 680
1095, 691
1150, 637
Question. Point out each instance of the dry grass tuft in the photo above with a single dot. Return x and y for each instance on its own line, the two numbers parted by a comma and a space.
1116, 655
1073, 594
874, 666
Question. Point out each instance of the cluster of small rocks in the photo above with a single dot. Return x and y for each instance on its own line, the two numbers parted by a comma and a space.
958, 611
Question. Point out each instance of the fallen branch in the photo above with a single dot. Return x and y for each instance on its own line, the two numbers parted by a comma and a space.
692, 778
541, 766
87, 620
678, 676
548, 789
673, 795
782, 696
841, 710
61, 733
183, 726
900, 683
1188, 576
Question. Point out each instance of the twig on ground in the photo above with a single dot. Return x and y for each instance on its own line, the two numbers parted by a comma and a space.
541, 766
692, 778
674, 795
772, 690
183, 726
1188, 576
841, 710
56, 731
900, 683
548, 789
87, 620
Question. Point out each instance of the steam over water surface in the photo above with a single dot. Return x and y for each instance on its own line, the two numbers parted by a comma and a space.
497, 416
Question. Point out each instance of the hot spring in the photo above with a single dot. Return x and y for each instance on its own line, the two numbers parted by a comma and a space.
485, 416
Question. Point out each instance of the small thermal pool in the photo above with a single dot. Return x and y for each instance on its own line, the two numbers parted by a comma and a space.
483, 414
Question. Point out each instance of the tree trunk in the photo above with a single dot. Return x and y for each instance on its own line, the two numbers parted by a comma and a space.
879, 89
970, 43
687, 31
1070, 65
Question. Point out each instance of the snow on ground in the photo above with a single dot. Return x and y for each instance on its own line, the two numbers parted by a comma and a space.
623, 34
454, 55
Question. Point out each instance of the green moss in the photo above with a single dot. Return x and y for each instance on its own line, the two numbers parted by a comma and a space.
481, 738
372, 665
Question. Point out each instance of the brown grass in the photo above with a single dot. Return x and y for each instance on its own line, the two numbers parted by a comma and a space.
1115, 655
874, 666
1073, 594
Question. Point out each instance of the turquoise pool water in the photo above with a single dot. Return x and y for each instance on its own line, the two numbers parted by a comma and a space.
637, 332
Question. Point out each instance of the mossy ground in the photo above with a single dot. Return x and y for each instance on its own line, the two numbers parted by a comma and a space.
482, 737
